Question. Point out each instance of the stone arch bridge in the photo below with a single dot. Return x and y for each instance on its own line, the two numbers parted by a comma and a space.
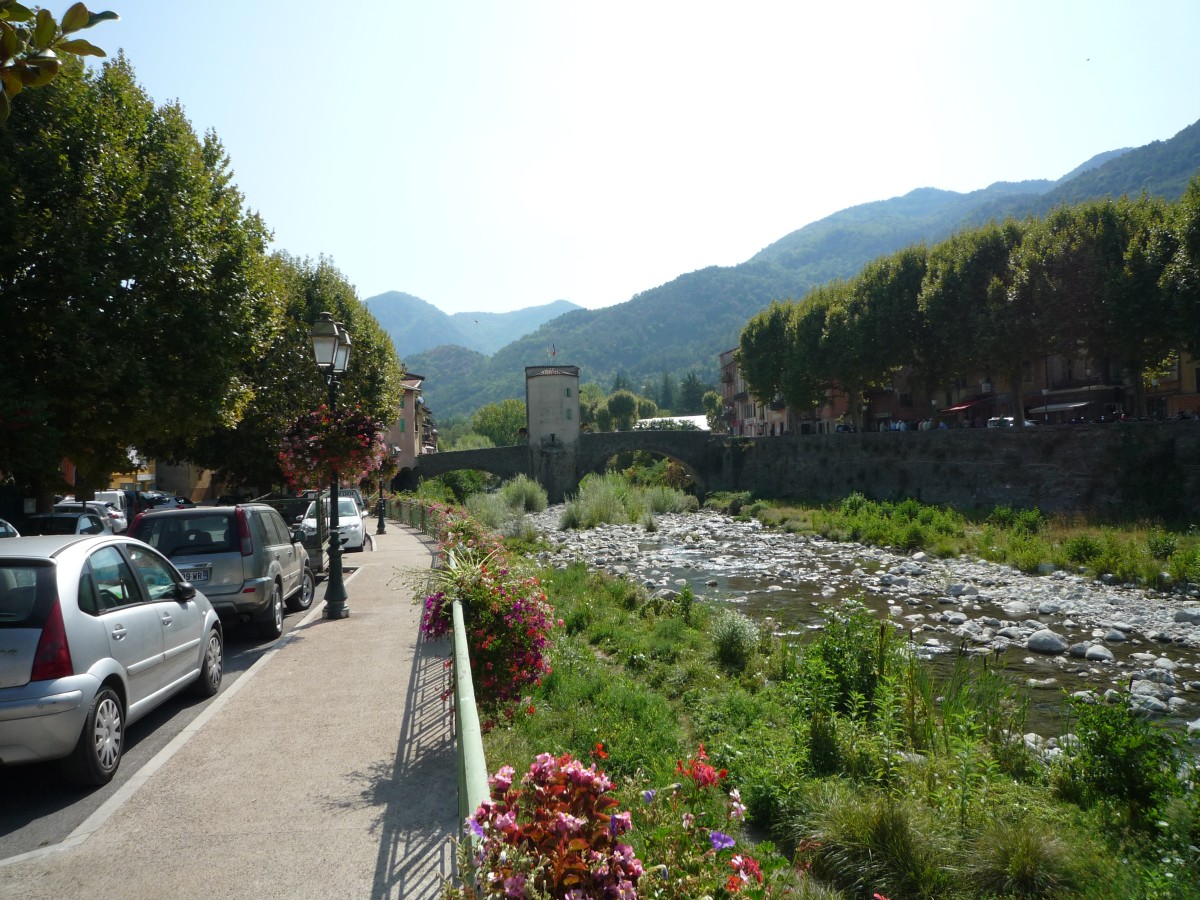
1133, 468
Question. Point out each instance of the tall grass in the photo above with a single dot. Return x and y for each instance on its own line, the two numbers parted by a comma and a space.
611, 499
1141, 553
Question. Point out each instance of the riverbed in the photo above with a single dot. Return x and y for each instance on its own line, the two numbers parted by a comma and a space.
1058, 632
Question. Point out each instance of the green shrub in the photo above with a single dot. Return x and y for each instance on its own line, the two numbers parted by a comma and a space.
1028, 521
1081, 549
1002, 517
868, 845
1123, 758
735, 638
1184, 565
524, 494
1023, 859
1161, 544
491, 510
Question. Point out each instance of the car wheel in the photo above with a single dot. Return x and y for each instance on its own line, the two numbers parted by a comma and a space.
303, 598
212, 668
271, 626
96, 756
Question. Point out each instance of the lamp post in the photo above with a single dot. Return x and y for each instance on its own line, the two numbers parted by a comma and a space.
1045, 406
331, 347
381, 507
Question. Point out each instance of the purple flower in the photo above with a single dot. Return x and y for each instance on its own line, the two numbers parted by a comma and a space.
475, 828
648, 796
721, 841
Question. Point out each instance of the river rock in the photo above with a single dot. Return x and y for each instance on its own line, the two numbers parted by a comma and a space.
1191, 615
1046, 641
1098, 652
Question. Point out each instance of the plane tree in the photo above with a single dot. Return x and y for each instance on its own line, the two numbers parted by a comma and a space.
127, 272
964, 280
33, 43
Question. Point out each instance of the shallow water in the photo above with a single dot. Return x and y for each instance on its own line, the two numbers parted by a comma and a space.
792, 599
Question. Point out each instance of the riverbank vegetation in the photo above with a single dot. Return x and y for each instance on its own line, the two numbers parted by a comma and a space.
835, 768
1143, 553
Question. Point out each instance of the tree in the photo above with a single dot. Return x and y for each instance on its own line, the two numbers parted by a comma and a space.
1181, 279
500, 422
30, 42
646, 408
283, 380
128, 271
763, 350
962, 272
691, 395
666, 392
714, 411
622, 407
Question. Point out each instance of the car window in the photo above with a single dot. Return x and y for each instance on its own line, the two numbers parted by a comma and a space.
347, 506
89, 597
175, 535
259, 530
276, 529
90, 524
116, 585
156, 574
21, 586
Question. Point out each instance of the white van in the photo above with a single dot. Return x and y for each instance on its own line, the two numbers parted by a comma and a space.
117, 499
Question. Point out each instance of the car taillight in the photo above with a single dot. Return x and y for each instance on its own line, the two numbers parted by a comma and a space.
53, 657
243, 527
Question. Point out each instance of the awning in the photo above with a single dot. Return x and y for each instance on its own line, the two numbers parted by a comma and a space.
1057, 407
961, 406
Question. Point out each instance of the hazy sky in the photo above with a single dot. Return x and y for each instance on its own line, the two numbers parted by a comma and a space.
488, 155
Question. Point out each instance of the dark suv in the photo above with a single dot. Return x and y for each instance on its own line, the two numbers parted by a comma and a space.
244, 558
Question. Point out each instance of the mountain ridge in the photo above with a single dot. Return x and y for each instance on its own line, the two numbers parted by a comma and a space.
684, 324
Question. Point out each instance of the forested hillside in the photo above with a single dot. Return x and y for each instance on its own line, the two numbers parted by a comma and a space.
683, 325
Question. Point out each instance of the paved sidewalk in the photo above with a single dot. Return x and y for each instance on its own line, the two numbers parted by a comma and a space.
325, 771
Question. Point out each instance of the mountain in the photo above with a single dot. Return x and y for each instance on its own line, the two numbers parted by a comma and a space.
683, 325
415, 324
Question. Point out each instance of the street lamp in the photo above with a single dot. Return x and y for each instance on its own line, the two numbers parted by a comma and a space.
381, 507
1045, 406
331, 347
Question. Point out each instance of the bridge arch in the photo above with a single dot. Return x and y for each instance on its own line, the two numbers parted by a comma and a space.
595, 451
503, 462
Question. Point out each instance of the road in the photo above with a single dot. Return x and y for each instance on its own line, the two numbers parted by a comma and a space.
37, 809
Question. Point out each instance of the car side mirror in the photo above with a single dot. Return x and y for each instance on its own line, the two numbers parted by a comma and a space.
185, 591
298, 536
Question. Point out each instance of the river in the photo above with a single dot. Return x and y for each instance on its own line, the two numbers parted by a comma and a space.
1142, 648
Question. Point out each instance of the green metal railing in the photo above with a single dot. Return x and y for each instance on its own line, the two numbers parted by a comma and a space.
470, 760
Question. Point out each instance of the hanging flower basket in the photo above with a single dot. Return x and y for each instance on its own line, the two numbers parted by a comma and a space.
318, 445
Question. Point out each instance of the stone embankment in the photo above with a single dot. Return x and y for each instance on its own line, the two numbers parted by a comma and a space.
1111, 641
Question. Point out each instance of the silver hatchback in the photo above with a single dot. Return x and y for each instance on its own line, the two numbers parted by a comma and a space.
95, 632
243, 557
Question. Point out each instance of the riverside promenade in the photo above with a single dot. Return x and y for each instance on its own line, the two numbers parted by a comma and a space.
327, 770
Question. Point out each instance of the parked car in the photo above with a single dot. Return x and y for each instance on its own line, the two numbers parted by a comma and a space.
358, 499
97, 632
244, 558
170, 502
350, 524
116, 519
7, 530
66, 523
119, 500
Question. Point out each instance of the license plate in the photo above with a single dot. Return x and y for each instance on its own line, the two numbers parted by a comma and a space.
195, 576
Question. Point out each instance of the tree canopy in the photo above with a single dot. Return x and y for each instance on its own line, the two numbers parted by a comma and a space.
1113, 280
141, 307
